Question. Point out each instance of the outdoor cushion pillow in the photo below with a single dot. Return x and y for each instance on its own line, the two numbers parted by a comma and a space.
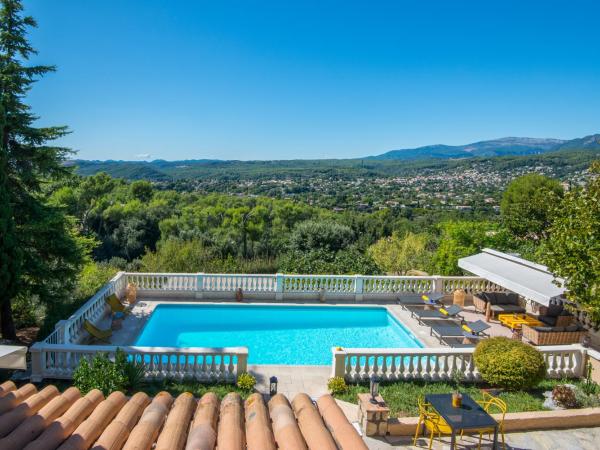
548, 320
573, 327
492, 298
484, 296
554, 310
545, 329
512, 299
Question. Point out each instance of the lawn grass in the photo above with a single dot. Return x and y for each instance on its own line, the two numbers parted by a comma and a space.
402, 396
196, 388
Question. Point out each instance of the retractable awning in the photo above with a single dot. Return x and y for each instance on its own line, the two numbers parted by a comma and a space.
528, 279
13, 357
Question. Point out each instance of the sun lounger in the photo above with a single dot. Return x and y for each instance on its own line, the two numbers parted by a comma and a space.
420, 300
454, 330
101, 335
461, 342
409, 301
115, 304
452, 312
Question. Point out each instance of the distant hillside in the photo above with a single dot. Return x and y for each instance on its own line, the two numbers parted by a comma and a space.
495, 147
588, 143
518, 150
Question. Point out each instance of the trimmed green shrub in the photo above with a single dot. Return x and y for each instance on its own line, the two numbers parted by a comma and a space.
509, 364
108, 375
337, 385
101, 373
246, 382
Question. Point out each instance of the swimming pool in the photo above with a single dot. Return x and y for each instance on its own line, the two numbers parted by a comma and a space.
296, 335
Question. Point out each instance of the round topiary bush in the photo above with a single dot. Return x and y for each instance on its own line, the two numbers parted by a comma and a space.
509, 364
337, 385
246, 382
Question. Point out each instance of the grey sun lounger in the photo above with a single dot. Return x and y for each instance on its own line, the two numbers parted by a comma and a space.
417, 300
457, 342
455, 330
452, 313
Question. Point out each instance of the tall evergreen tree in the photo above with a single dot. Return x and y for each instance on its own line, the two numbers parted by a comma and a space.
36, 245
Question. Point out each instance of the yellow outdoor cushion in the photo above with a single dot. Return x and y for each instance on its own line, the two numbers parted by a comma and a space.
443, 311
115, 303
96, 332
425, 298
467, 329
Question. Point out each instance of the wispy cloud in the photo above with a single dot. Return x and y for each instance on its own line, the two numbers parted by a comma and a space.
143, 156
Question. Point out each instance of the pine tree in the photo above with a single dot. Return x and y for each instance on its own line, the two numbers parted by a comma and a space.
10, 256
35, 241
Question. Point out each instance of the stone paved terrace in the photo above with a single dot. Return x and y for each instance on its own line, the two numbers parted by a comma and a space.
570, 439
567, 439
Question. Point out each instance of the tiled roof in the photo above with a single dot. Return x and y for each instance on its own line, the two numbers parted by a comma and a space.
47, 419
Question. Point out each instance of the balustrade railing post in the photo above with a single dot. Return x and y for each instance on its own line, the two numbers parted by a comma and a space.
339, 363
358, 287
279, 286
199, 284
242, 363
37, 374
582, 362
62, 325
437, 284
119, 283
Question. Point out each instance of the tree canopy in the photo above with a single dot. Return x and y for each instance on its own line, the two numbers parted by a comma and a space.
40, 254
396, 255
572, 251
528, 204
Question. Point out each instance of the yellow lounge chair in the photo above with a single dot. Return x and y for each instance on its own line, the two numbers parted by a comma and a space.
492, 405
431, 421
101, 335
116, 305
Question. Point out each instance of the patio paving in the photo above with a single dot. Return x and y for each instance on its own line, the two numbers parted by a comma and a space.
566, 439
292, 380
569, 439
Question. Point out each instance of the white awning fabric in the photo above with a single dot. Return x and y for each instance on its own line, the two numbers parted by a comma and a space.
528, 279
13, 357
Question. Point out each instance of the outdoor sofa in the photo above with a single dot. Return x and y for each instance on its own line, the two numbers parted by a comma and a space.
571, 334
494, 303
556, 316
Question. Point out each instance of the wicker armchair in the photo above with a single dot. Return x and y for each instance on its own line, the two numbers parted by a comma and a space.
552, 336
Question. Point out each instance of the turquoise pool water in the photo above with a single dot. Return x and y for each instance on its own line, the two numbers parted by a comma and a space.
298, 335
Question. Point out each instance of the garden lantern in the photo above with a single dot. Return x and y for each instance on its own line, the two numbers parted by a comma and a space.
374, 388
272, 386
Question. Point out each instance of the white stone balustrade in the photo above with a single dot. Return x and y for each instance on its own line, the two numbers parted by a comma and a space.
260, 287
202, 364
358, 364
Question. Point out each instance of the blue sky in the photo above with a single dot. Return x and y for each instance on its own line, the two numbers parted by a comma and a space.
283, 80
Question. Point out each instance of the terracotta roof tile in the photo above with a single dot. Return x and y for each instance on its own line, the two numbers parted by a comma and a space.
47, 420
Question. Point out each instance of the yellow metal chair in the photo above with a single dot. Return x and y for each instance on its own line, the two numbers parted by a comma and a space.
492, 405
432, 422
115, 304
101, 335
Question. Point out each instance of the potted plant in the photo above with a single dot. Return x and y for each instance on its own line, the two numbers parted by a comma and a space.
457, 377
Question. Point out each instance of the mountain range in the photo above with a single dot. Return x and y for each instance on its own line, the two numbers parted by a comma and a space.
495, 147
390, 162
